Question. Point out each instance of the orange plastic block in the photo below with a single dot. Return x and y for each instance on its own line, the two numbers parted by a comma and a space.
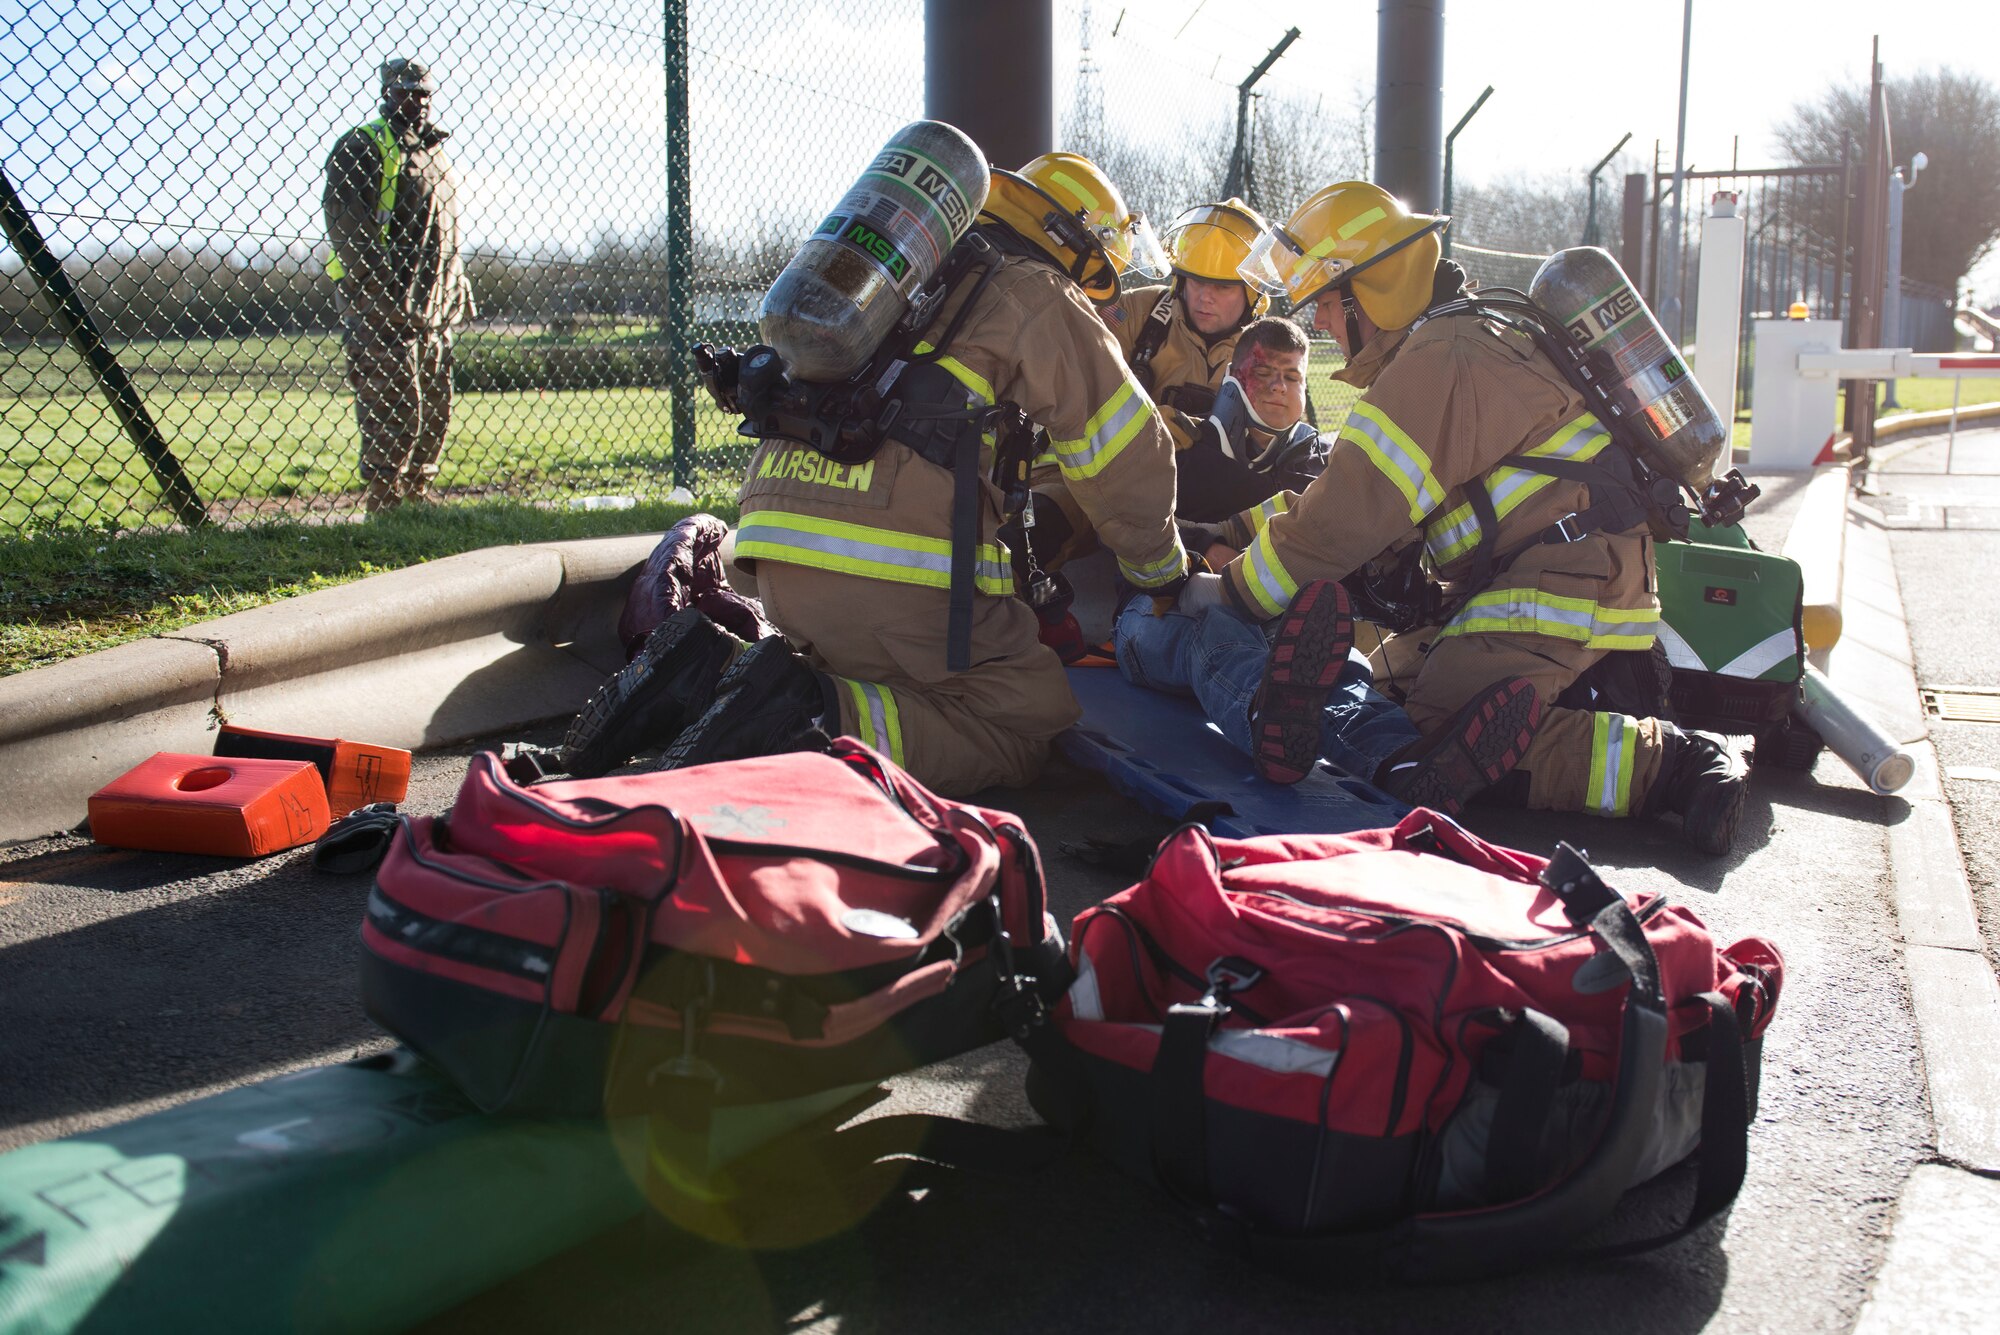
235, 807
355, 773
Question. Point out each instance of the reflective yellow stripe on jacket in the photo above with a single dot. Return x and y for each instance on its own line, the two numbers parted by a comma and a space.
1534, 612
877, 721
1613, 744
1163, 571
1456, 532
1270, 585
391, 151
874, 553
1399, 458
1107, 433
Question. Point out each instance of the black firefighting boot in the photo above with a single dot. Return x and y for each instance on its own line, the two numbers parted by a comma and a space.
768, 702
1307, 653
1704, 783
669, 685
1469, 753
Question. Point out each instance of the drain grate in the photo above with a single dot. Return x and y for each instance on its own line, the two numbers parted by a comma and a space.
1962, 704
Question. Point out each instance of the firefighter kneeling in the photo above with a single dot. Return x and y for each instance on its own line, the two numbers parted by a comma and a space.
858, 563
1456, 444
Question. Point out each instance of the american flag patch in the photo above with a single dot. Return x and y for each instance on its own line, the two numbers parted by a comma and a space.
1115, 314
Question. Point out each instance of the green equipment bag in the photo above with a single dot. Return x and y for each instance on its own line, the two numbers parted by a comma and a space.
1730, 625
364, 1196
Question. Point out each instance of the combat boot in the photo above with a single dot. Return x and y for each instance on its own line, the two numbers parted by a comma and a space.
1307, 654
381, 495
768, 702
669, 685
1475, 749
1703, 782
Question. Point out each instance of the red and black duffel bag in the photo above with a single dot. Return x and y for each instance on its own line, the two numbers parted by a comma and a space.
1403, 1051
740, 933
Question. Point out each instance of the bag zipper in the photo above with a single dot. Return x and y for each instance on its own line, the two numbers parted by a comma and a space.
1403, 920
900, 870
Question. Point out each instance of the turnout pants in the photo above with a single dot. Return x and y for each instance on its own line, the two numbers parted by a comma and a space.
1581, 760
884, 645
402, 402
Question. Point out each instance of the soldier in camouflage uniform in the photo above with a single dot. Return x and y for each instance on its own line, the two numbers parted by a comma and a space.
391, 204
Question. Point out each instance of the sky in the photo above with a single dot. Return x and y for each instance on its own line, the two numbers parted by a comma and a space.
1570, 78
123, 121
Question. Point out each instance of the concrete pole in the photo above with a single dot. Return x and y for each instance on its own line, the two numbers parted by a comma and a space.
1409, 101
989, 69
1892, 286
1719, 304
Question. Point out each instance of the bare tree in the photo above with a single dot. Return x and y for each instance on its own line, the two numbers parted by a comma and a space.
1953, 221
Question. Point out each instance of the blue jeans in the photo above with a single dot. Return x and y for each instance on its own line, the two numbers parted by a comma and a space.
1218, 659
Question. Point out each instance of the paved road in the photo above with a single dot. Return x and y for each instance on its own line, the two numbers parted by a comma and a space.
134, 980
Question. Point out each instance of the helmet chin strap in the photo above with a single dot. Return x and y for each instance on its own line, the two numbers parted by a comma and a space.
1352, 310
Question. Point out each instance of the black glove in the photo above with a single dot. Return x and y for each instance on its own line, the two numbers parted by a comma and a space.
1046, 537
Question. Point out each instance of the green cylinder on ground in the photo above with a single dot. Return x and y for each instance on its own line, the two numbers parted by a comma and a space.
1674, 423
852, 280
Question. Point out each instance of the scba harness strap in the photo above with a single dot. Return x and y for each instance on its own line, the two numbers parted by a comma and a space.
936, 418
1151, 339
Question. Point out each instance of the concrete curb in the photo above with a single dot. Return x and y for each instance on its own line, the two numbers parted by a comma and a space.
1900, 424
432, 654
1937, 1275
1818, 543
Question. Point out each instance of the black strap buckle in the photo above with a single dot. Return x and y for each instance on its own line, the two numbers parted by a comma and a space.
1568, 529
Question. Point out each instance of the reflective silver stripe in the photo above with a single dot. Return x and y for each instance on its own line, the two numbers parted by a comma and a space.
1085, 1001
1760, 657
1442, 544
1270, 584
1422, 494
1124, 413
1615, 744
1168, 567
1680, 653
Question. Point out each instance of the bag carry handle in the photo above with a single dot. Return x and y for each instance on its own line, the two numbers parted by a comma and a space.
1472, 1243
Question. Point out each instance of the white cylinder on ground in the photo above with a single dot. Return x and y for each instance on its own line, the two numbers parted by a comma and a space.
1857, 739
852, 280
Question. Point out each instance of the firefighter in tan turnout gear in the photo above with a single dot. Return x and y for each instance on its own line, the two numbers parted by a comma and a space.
1442, 451
1178, 338
851, 559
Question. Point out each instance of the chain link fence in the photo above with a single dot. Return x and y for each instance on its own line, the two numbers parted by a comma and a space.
171, 162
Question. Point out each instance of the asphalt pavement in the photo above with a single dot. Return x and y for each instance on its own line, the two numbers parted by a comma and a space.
132, 980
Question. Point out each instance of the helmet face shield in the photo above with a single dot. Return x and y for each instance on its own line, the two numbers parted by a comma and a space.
1135, 247
1278, 267
1213, 240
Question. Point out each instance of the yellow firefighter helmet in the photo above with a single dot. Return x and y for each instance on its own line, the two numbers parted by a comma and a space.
1355, 236
1212, 242
1064, 205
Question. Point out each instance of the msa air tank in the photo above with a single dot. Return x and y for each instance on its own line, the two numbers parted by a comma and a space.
852, 280
1672, 420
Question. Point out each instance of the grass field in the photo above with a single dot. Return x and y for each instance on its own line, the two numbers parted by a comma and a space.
268, 423
72, 593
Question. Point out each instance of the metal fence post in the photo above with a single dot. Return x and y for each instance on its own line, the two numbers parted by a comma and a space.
679, 312
66, 308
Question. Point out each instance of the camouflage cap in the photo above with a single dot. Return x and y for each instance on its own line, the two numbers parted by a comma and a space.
401, 73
